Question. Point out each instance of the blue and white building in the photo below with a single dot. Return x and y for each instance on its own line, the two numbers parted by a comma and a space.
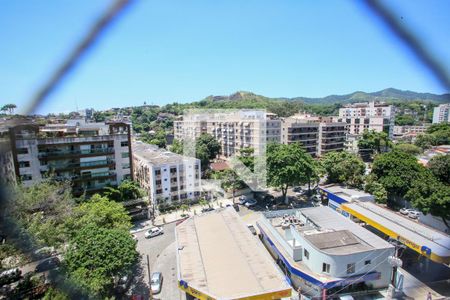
338, 195
324, 253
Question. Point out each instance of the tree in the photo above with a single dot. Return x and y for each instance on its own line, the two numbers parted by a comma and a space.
289, 165
409, 148
343, 167
203, 202
42, 210
98, 256
177, 147
246, 156
376, 189
425, 141
230, 181
206, 148
429, 195
439, 165
396, 171
101, 212
375, 141
9, 108
127, 190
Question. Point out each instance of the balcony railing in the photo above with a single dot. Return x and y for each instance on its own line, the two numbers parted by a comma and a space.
95, 163
76, 152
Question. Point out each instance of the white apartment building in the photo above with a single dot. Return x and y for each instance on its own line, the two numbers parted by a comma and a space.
91, 155
410, 130
318, 135
234, 129
376, 116
166, 176
324, 253
441, 113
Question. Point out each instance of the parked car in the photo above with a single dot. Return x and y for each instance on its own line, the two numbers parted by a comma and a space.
154, 231
252, 229
404, 211
48, 264
296, 188
156, 282
242, 199
413, 214
250, 203
10, 276
123, 283
207, 209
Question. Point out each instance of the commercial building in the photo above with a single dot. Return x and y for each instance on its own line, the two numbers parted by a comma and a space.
324, 253
360, 207
318, 135
233, 129
166, 176
219, 258
377, 116
441, 113
91, 155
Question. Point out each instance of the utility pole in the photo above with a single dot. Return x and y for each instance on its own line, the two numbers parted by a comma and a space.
149, 278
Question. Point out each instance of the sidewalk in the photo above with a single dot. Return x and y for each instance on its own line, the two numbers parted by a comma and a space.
194, 209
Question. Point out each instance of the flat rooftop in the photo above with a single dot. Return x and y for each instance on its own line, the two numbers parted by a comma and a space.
326, 218
337, 242
346, 193
417, 233
219, 257
156, 156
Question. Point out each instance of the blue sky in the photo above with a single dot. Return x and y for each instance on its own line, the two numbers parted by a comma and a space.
166, 51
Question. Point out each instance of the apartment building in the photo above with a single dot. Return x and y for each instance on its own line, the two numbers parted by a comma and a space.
234, 130
324, 253
441, 113
318, 135
166, 176
376, 116
91, 155
409, 130
7, 173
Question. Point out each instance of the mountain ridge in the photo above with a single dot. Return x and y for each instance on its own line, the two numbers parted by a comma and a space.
389, 94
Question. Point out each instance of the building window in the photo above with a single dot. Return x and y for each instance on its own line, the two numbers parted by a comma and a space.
367, 262
25, 177
125, 166
124, 144
351, 268
326, 268
306, 253
157, 172
24, 164
158, 181
125, 154
22, 150
173, 170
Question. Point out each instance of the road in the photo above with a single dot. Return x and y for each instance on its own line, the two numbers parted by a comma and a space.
152, 247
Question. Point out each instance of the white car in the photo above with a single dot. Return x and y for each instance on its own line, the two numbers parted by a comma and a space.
250, 202
242, 199
154, 231
156, 282
413, 214
404, 211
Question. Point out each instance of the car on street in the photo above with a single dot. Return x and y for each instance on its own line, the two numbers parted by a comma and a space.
47, 264
156, 282
405, 211
250, 203
242, 199
296, 189
413, 214
252, 229
207, 209
154, 231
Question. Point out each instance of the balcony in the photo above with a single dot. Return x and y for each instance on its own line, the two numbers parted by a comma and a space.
82, 165
93, 176
78, 153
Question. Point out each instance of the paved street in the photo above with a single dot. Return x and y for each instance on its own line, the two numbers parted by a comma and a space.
152, 247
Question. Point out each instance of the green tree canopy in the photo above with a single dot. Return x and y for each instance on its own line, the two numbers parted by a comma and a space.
343, 167
429, 195
289, 165
177, 147
409, 148
396, 171
439, 165
98, 256
375, 141
9, 108
376, 189
206, 148
101, 212
127, 190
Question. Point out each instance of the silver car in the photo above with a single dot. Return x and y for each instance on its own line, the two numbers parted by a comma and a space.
156, 282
